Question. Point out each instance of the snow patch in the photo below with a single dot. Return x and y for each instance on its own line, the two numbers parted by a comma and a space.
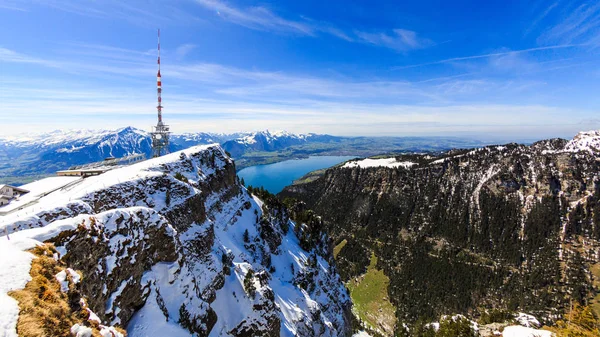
521, 331
106, 331
383, 162
361, 334
528, 321
64, 281
81, 331
14, 274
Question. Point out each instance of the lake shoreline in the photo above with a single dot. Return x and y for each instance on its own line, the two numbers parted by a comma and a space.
275, 176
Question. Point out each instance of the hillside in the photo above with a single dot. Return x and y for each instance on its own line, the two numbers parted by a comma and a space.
511, 227
173, 246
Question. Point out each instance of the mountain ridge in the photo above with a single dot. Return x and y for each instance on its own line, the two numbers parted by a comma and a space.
169, 246
512, 227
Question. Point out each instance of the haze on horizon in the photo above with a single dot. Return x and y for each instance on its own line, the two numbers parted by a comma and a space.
523, 70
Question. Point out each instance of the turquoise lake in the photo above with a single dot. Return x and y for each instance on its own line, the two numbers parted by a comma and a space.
274, 177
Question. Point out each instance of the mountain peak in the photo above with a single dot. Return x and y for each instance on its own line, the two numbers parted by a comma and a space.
129, 129
588, 141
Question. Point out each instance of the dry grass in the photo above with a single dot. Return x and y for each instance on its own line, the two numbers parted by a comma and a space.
45, 311
580, 322
595, 303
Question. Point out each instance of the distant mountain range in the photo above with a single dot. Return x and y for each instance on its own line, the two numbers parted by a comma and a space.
25, 158
272, 141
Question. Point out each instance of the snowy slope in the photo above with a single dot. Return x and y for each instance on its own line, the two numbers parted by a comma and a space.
382, 162
175, 249
584, 141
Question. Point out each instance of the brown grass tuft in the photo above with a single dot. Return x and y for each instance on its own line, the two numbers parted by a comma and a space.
44, 309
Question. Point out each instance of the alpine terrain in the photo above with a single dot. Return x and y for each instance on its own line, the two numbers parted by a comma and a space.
484, 233
172, 246
27, 158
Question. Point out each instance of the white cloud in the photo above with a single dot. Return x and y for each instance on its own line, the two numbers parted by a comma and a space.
11, 56
146, 13
262, 18
12, 5
183, 50
581, 25
215, 97
257, 17
491, 55
399, 39
540, 18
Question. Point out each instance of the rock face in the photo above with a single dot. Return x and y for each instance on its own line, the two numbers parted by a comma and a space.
511, 226
175, 246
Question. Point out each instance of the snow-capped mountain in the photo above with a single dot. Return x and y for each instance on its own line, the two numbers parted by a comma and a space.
190, 139
271, 141
58, 150
172, 246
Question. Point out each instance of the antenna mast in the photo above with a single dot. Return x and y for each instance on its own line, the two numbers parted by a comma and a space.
160, 135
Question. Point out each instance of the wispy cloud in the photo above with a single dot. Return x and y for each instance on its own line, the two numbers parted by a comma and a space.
399, 39
199, 96
257, 17
12, 5
581, 25
141, 13
111, 109
150, 13
182, 51
11, 56
263, 18
229, 82
540, 18
484, 56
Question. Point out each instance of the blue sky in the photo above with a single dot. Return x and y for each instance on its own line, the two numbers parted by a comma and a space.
484, 69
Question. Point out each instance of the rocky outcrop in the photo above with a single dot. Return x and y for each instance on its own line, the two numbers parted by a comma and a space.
176, 246
113, 250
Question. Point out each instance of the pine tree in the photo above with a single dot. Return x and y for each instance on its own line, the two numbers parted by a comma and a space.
246, 236
168, 197
249, 284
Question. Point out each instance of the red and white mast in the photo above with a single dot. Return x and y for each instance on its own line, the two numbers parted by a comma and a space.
159, 85
160, 134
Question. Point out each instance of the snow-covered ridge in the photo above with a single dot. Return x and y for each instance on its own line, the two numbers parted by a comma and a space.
69, 136
269, 137
88, 136
584, 141
382, 162
185, 216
